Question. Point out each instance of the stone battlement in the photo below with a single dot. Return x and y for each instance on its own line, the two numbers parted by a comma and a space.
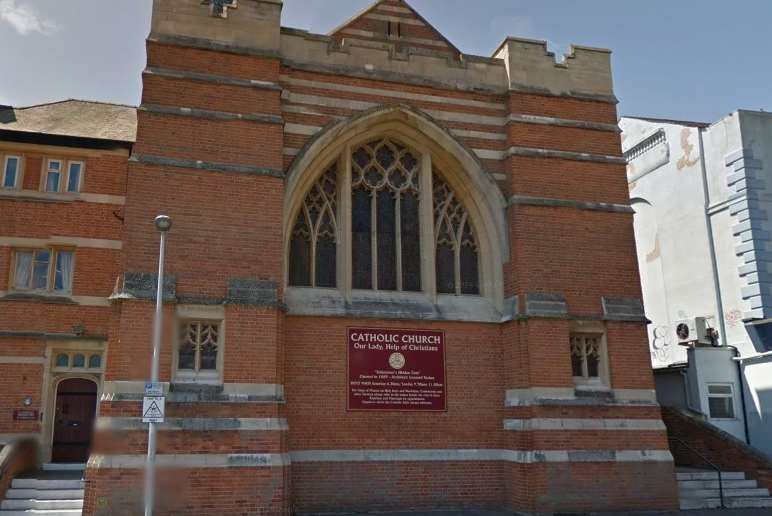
254, 27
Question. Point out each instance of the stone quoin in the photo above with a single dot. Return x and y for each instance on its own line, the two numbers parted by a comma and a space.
467, 215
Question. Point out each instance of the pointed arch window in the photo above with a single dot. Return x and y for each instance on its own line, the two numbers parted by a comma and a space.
383, 218
455, 243
386, 253
314, 236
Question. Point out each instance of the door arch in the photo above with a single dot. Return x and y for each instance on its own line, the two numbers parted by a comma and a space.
74, 417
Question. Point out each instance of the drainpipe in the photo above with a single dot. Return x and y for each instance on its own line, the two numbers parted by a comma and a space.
742, 393
711, 242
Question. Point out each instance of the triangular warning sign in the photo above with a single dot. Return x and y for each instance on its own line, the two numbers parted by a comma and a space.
153, 411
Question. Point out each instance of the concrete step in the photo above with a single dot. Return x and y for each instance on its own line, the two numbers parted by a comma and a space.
713, 484
55, 466
44, 494
41, 504
728, 493
34, 512
715, 503
36, 483
711, 475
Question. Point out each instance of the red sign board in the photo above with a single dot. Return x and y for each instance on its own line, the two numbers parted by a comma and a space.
395, 369
25, 415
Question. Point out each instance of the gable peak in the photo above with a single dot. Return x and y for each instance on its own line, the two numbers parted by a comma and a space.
394, 23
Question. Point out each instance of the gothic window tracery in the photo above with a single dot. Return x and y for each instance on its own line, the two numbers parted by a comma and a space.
455, 243
386, 252
314, 236
368, 207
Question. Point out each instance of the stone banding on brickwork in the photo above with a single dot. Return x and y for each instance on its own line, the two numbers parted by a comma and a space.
532, 152
49, 335
362, 105
516, 456
211, 78
227, 393
162, 161
566, 203
252, 292
210, 460
546, 396
419, 41
55, 298
143, 285
311, 130
545, 305
527, 425
262, 118
92, 243
440, 99
195, 424
563, 122
117, 200
623, 309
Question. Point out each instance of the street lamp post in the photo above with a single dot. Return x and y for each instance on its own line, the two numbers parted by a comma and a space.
163, 224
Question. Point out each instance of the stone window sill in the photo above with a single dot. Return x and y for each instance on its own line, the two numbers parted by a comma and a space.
322, 302
39, 297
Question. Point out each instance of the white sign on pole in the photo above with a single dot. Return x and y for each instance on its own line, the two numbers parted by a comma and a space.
153, 409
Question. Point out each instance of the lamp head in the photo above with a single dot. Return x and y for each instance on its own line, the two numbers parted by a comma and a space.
163, 223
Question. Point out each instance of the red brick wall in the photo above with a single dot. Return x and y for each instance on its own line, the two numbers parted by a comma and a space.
21, 457
189, 492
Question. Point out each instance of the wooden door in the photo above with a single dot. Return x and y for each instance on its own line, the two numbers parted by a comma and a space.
74, 420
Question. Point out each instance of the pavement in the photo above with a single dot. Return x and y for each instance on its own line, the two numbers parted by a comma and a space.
705, 512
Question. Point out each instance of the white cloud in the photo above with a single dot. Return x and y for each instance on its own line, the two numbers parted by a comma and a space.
24, 18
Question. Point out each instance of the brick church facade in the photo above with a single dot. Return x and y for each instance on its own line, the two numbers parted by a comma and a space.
400, 277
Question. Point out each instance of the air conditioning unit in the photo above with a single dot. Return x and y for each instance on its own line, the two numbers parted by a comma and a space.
693, 330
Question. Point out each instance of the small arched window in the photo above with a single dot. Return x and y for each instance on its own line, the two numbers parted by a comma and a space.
78, 360
63, 360
95, 361
394, 214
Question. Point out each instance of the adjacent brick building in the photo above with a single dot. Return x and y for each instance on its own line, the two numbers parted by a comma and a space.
334, 196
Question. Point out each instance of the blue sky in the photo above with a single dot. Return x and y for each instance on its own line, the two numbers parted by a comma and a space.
682, 59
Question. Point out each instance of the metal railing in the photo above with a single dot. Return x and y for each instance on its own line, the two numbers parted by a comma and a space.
709, 463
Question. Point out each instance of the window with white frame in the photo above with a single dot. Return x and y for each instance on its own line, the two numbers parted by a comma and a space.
588, 358
199, 351
53, 176
63, 176
11, 172
74, 176
721, 401
43, 270
371, 204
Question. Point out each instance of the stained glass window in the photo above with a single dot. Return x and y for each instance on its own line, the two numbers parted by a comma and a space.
313, 245
586, 355
198, 347
457, 254
385, 190
385, 238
